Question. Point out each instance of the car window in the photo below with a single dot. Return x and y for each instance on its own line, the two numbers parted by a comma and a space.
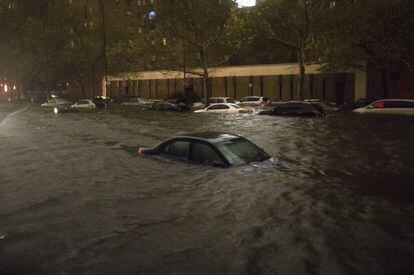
399, 104
218, 107
235, 106
250, 98
177, 149
230, 100
83, 102
240, 151
204, 153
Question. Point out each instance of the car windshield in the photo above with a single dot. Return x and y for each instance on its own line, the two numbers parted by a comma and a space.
241, 151
235, 106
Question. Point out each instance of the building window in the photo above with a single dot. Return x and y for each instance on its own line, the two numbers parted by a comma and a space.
152, 15
332, 4
164, 41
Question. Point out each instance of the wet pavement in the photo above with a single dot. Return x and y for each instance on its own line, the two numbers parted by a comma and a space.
76, 199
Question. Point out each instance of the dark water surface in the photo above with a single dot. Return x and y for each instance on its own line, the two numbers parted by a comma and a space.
76, 199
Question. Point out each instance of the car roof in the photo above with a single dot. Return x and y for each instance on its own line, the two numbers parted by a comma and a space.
220, 97
252, 96
212, 137
395, 99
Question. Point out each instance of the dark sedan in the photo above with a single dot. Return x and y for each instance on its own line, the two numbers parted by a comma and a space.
295, 108
167, 106
211, 148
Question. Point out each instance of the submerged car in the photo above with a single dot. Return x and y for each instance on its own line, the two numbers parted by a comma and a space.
210, 148
388, 106
295, 108
167, 106
223, 108
225, 99
135, 101
56, 102
85, 104
254, 101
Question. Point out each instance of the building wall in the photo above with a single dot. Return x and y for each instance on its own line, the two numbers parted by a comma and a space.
278, 82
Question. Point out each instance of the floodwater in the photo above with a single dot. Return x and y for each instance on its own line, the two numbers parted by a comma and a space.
76, 199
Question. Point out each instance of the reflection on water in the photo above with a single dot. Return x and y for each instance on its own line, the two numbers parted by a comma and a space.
76, 198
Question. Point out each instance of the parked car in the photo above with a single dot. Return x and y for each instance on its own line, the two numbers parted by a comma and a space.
213, 100
100, 101
388, 106
85, 104
295, 108
56, 102
167, 106
135, 101
211, 148
362, 102
223, 108
254, 101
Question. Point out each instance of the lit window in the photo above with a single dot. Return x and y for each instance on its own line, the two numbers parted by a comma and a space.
164, 41
152, 15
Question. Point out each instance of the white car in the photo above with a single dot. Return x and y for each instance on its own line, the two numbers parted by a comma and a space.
56, 102
84, 104
389, 106
254, 101
136, 102
225, 99
223, 108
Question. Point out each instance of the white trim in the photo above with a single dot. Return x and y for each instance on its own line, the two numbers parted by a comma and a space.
230, 71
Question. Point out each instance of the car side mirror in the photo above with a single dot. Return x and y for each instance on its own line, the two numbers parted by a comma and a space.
218, 163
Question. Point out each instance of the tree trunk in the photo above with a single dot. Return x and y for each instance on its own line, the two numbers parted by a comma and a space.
205, 78
301, 61
384, 81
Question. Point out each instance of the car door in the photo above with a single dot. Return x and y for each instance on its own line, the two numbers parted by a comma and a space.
203, 153
218, 108
176, 149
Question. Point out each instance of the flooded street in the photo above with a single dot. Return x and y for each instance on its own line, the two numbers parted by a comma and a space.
76, 199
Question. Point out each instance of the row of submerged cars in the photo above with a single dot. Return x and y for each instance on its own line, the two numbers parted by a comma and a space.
60, 104
250, 104
227, 105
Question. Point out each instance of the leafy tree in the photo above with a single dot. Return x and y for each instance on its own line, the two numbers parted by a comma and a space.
201, 26
372, 35
249, 43
294, 24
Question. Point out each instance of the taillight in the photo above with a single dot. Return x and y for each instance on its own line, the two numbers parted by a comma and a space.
315, 112
139, 151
